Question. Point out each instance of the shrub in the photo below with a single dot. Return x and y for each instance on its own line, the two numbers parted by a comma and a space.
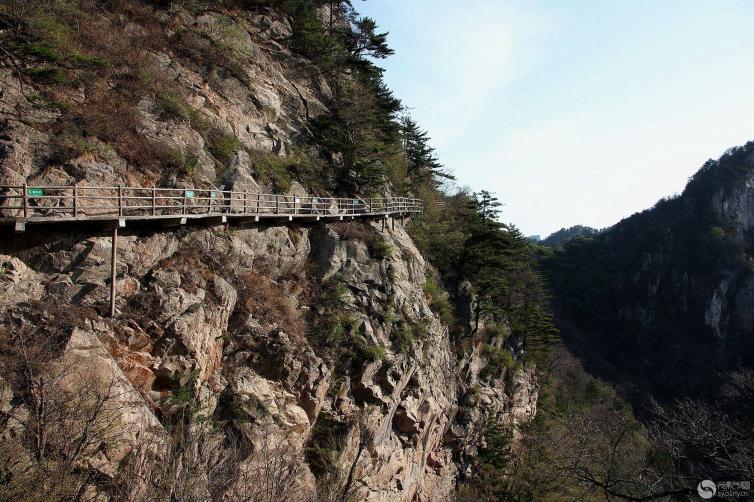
496, 331
498, 360
43, 50
279, 171
439, 300
171, 105
369, 353
185, 161
403, 339
68, 145
86, 60
223, 146
379, 248
273, 170
325, 443
46, 74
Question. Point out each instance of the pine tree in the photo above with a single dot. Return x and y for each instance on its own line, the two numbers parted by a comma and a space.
423, 164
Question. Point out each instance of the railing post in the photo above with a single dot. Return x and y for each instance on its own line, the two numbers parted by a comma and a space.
259, 197
26, 200
75, 200
120, 200
154, 201
295, 205
370, 205
185, 201
277, 203
245, 201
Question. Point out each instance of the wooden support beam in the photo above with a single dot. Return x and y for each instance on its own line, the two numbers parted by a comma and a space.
113, 271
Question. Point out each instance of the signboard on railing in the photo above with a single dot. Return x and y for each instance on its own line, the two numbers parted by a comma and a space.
35, 192
189, 194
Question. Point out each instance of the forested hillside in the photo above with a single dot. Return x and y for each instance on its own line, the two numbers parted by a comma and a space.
664, 297
566, 234
659, 306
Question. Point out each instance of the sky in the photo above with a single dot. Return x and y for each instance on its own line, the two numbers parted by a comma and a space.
573, 112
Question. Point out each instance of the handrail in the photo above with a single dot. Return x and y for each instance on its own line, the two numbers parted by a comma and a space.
78, 202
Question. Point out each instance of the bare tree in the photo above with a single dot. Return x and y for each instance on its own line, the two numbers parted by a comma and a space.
61, 423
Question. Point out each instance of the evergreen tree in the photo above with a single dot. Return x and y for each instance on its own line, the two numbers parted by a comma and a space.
423, 166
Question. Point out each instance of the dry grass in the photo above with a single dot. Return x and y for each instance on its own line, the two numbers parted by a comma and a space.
354, 231
268, 302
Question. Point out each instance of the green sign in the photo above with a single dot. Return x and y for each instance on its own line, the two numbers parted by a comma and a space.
212, 194
189, 194
36, 192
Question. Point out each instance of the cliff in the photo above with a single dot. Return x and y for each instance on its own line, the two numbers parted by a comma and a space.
247, 362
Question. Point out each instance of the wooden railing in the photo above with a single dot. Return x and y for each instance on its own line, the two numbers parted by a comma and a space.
50, 203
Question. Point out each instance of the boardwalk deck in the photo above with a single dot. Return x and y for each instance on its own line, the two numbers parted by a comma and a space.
21, 204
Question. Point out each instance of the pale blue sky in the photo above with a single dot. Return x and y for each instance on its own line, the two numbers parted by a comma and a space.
573, 112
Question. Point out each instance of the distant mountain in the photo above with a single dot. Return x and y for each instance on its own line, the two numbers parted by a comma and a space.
566, 234
664, 300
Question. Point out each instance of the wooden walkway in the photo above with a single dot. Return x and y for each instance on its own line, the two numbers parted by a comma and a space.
114, 206
22, 204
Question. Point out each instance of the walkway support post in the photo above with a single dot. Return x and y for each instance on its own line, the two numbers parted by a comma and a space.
75, 200
154, 200
113, 270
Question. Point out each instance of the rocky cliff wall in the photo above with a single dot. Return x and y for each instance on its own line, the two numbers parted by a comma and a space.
196, 310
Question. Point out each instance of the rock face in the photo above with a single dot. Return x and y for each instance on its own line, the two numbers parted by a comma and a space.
191, 316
